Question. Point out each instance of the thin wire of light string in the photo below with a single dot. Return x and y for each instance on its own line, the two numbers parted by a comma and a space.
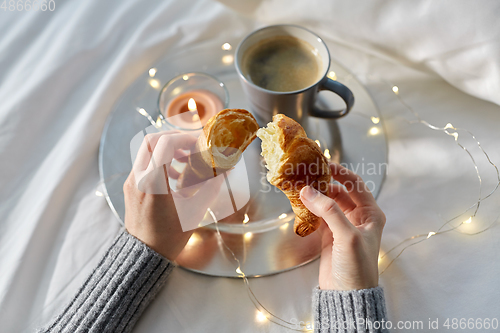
255, 301
477, 204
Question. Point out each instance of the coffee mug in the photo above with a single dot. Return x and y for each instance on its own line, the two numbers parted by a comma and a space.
282, 68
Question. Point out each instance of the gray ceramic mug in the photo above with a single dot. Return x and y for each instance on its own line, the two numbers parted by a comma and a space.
299, 104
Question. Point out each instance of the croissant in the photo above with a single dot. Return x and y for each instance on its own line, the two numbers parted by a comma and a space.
294, 161
220, 145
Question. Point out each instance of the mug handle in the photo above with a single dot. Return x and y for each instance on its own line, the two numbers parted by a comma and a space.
342, 91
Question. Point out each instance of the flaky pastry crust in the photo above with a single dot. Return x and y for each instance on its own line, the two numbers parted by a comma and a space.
219, 147
294, 161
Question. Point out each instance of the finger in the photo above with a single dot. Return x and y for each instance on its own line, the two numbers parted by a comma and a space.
325, 207
354, 184
326, 233
172, 173
165, 147
338, 193
153, 138
143, 155
154, 181
146, 149
181, 155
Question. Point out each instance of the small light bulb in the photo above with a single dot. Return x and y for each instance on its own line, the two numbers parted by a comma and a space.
248, 235
432, 233
375, 120
332, 75
260, 316
154, 83
374, 131
99, 193
227, 59
327, 154
142, 112
152, 72
282, 216
449, 125
469, 220
159, 123
246, 219
238, 270
185, 77
395, 89
226, 46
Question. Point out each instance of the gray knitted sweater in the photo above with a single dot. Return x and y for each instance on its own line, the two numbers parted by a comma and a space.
131, 274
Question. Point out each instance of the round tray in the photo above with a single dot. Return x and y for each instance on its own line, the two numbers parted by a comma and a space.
266, 244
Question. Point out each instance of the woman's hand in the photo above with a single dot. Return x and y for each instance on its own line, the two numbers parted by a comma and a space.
352, 234
154, 213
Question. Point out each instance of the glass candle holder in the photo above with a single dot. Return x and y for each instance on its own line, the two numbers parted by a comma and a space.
189, 100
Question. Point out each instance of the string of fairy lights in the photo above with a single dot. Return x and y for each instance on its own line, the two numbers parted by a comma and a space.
262, 313
450, 130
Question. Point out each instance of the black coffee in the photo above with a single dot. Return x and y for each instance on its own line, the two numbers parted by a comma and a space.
282, 63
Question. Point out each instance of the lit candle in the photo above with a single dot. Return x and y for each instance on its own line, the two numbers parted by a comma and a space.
192, 109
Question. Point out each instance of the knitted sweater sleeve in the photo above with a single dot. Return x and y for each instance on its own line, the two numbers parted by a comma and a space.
116, 293
350, 311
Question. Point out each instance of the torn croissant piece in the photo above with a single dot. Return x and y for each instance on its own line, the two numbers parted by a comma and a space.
219, 147
294, 161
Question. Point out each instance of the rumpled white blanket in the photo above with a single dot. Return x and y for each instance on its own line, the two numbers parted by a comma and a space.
457, 40
61, 73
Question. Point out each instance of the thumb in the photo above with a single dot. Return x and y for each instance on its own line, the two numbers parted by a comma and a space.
326, 208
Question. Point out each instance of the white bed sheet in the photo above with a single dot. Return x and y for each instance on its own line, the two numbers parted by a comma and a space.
62, 71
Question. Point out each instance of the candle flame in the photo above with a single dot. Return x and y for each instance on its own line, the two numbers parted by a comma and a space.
191, 104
